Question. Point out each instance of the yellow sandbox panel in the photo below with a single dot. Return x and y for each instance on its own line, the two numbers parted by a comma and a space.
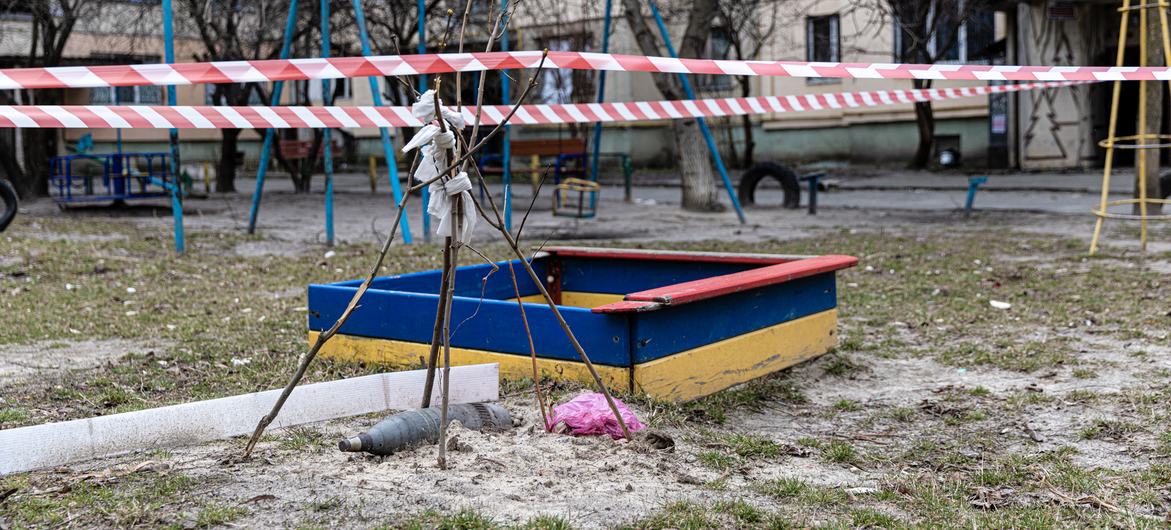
713, 367
578, 299
363, 349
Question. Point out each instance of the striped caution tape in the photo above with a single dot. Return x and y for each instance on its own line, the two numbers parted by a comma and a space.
189, 117
339, 67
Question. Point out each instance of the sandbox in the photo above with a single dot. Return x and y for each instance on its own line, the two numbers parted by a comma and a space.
673, 325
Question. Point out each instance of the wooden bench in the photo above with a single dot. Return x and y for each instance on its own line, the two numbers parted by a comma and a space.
561, 149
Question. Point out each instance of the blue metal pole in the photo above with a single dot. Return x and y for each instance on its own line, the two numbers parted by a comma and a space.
387, 147
601, 97
327, 151
707, 133
421, 48
176, 196
506, 148
275, 100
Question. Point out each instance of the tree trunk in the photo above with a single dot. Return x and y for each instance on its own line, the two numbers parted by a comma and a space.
40, 145
9, 164
925, 121
9, 168
746, 123
1154, 115
225, 177
695, 170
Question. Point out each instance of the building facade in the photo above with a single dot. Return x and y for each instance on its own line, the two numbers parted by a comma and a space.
1039, 130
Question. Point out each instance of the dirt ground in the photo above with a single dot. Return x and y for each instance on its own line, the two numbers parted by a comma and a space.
936, 410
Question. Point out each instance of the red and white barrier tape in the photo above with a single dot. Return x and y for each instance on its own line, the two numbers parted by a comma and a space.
183, 117
333, 68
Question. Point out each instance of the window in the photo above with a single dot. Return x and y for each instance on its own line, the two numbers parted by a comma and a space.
126, 95
822, 43
719, 46
972, 41
557, 85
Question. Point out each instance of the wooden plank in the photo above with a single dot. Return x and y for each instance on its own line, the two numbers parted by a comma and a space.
513, 366
489, 325
676, 328
708, 369
627, 307
471, 281
692, 291
674, 255
576, 299
55, 444
622, 276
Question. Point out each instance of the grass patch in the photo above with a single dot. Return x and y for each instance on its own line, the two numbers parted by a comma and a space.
214, 515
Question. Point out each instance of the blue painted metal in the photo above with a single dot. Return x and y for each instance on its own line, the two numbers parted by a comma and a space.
478, 324
387, 146
265, 151
673, 329
327, 136
601, 98
506, 148
421, 48
707, 133
973, 185
627, 276
814, 181
176, 196
116, 183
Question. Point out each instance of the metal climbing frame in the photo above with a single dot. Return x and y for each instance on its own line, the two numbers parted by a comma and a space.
1143, 140
387, 144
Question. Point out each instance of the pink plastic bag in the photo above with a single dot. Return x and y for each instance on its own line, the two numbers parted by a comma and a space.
589, 414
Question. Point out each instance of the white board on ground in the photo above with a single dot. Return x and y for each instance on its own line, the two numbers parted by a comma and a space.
55, 444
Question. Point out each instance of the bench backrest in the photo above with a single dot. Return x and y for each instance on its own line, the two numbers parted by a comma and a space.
548, 146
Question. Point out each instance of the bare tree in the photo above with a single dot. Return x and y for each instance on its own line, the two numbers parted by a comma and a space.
247, 30
750, 26
698, 180
927, 32
51, 24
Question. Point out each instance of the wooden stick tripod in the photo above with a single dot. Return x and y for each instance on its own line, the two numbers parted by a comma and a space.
1138, 142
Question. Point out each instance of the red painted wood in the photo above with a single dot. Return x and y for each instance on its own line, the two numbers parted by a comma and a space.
682, 293
672, 255
627, 306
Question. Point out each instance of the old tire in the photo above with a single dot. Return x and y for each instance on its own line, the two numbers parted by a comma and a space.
8, 198
785, 176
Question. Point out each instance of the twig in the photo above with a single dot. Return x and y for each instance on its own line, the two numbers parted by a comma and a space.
452, 245
436, 333
475, 148
308, 357
549, 299
532, 349
536, 193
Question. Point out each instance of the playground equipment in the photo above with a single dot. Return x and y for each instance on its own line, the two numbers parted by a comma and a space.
789, 181
563, 194
973, 186
674, 325
327, 155
8, 197
116, 177
1139, 142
